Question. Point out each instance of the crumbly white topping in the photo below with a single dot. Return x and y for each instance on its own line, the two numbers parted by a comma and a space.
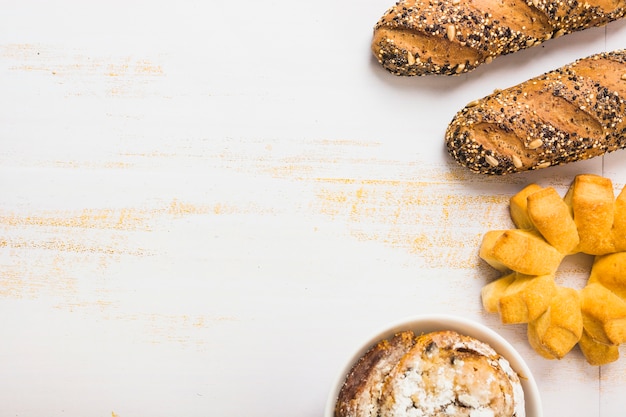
440, 382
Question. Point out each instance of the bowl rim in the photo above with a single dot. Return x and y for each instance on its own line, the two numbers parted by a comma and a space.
425, 323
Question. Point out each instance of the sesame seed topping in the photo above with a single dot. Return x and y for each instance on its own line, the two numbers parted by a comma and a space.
482, 35
491, 160
511, 117
410, 58
451, 32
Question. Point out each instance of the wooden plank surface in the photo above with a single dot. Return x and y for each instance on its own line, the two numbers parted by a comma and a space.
207, 207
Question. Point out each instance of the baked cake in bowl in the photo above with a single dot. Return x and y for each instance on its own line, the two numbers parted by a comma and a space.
434, 365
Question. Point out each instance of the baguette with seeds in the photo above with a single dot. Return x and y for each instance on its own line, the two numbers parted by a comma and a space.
448, 37
573, 113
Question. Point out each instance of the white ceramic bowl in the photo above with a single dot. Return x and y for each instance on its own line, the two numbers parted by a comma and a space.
430, 323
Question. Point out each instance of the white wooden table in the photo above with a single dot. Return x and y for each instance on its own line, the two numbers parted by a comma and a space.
207, 207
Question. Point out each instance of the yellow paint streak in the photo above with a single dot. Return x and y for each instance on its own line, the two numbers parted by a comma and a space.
82, 72
121, 219
412, 215
66, 245
116, 219
180, 208
148, 68
43, 251
28, 277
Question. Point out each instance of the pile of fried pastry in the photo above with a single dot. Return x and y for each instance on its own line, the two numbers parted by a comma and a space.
588, 219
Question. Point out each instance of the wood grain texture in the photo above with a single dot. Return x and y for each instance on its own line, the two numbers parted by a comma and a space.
179, 183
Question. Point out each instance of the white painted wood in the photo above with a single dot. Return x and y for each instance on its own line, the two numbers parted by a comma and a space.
206, 207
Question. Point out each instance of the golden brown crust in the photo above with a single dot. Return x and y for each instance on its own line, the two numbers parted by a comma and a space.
597, 353
619, 224
523, 251
592, 203
610, 271
448, 37
491, 293
559, 328
518, 207
573, 113
604, 314
526, 298
589, 220
551, 216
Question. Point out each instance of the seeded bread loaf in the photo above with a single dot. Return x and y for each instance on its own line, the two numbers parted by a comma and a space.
419, 37
573, 113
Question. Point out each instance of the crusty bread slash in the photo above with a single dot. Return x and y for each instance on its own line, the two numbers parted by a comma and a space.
573, 113
448, 37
